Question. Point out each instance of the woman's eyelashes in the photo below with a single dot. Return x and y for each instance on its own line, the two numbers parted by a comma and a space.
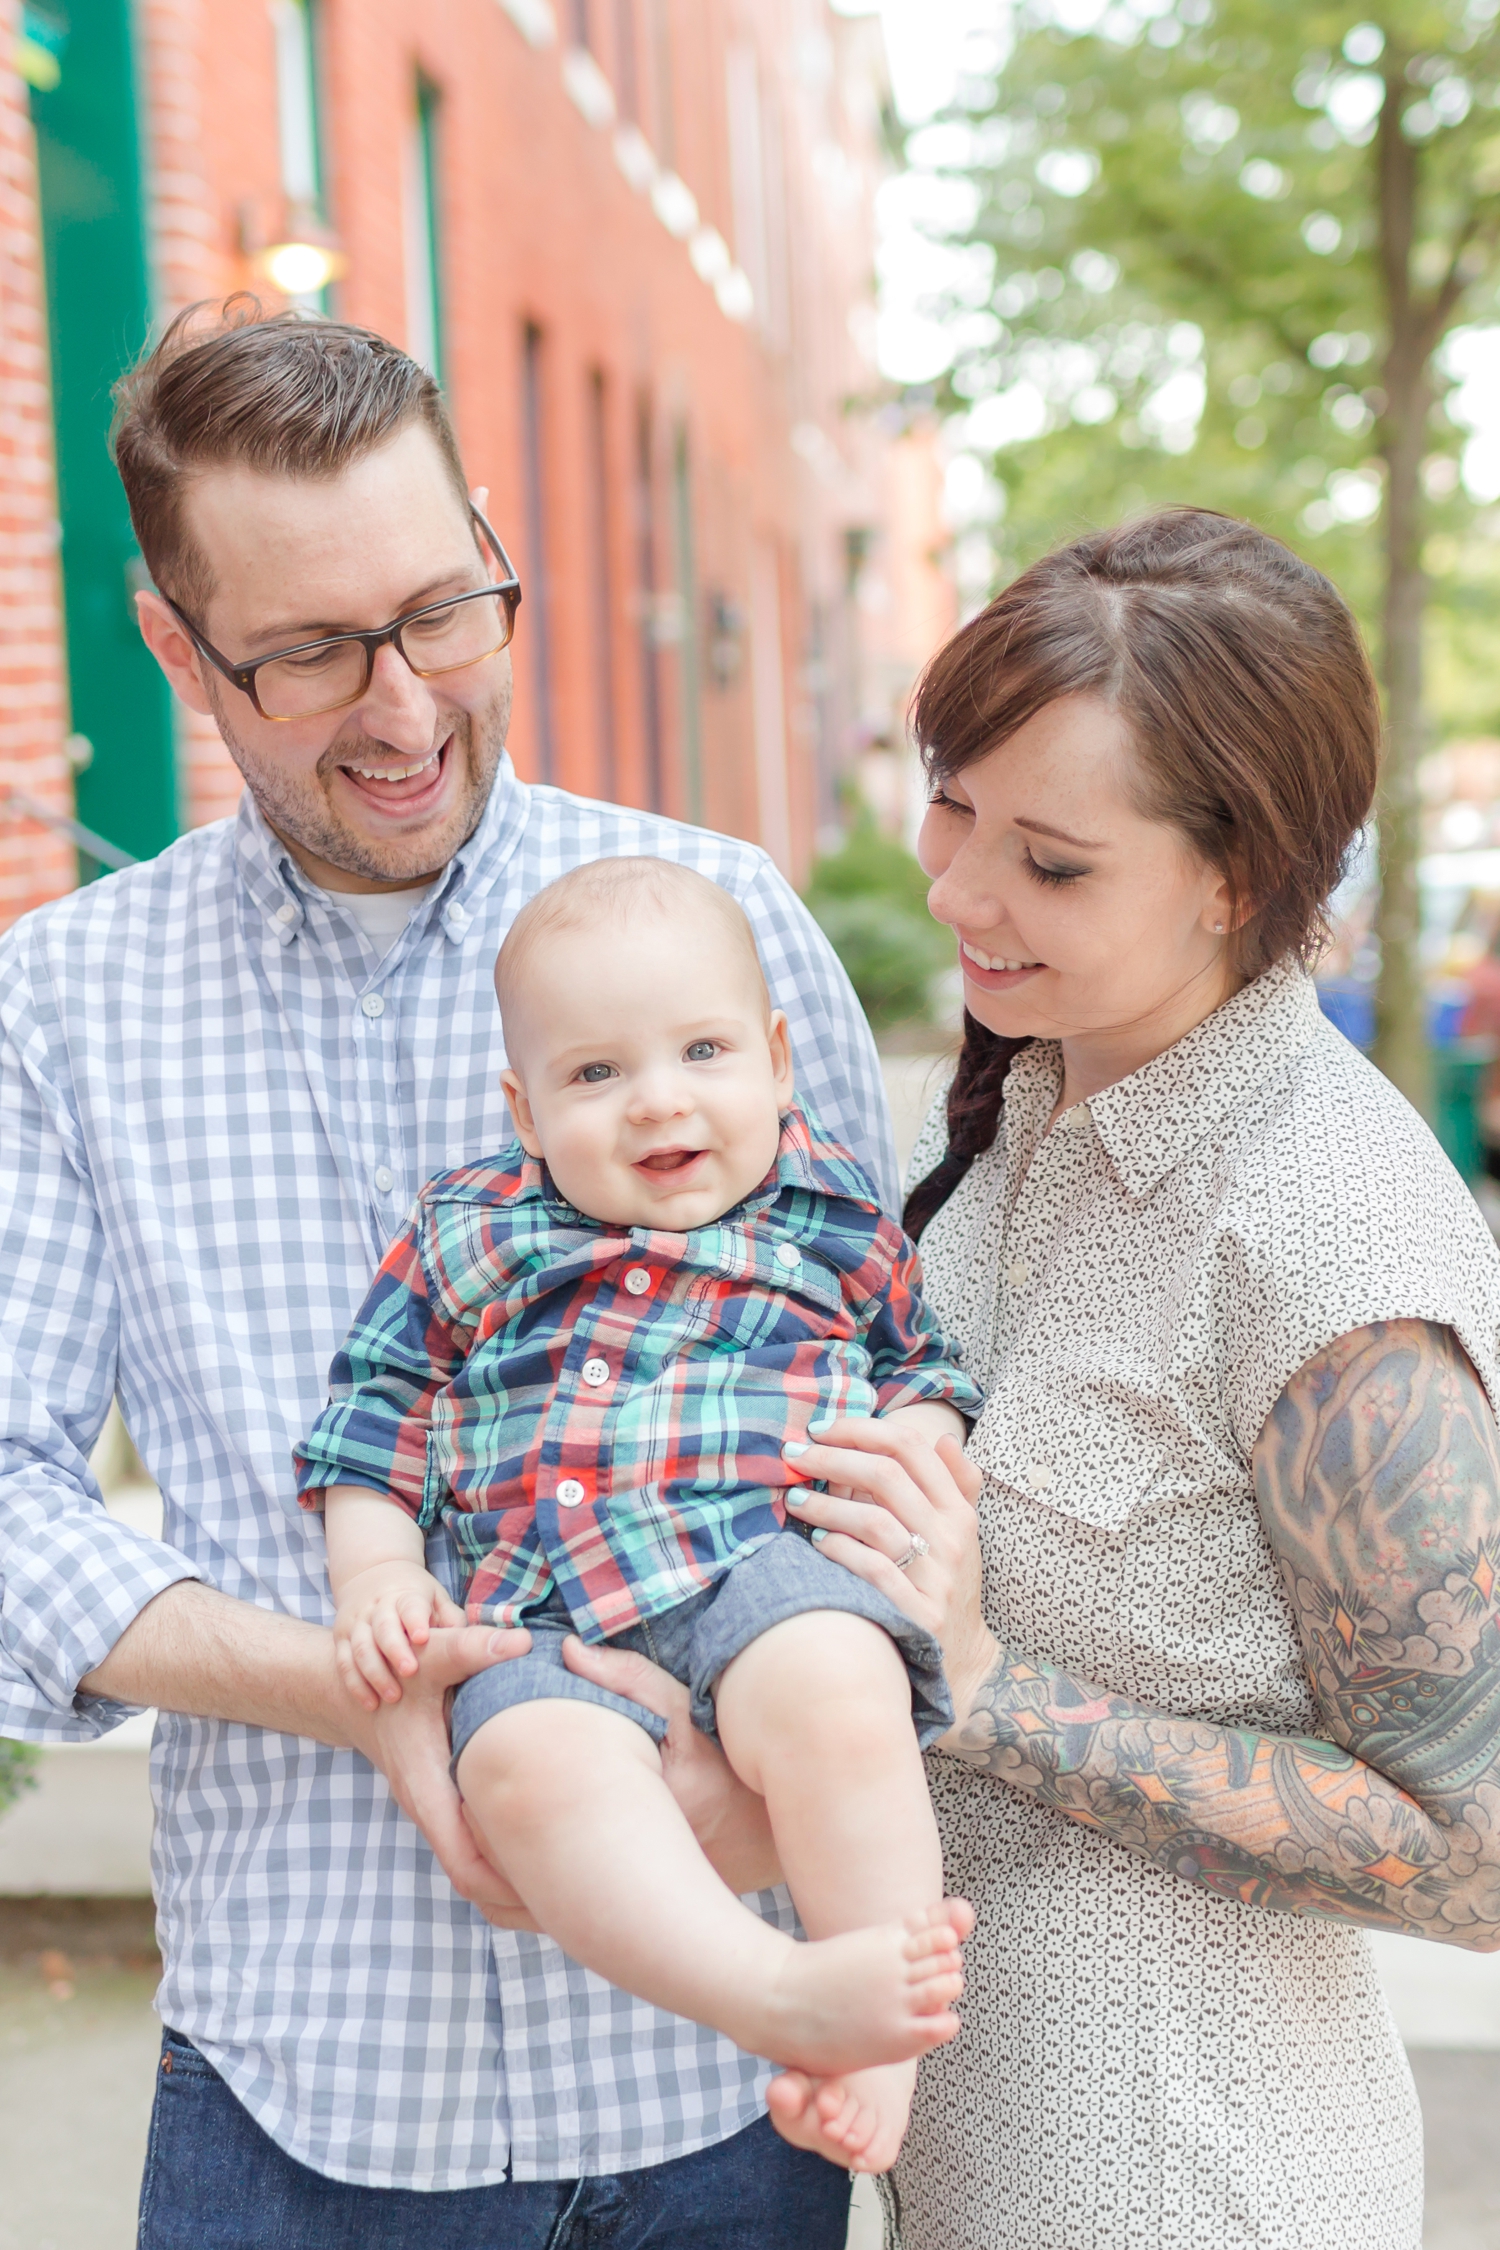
1044, 874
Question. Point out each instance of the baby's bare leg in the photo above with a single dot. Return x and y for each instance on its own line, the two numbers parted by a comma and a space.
816, 1717
571, 1801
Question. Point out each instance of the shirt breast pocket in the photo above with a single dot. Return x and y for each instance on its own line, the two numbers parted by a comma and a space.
1091, 1449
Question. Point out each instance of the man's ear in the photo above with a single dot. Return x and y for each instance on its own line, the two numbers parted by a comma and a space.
520, 1113
781, 1059
173, 649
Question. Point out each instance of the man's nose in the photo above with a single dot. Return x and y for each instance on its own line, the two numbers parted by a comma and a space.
396, 706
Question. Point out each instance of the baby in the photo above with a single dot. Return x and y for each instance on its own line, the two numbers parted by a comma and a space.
585, 1359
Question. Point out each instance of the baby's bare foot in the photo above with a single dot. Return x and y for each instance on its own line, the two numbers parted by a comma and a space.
864, 2114
870, 1996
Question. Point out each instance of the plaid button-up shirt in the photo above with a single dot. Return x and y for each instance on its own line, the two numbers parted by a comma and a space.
217, 1098
604, 1409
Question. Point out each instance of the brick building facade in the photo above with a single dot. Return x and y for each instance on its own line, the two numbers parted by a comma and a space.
633, 238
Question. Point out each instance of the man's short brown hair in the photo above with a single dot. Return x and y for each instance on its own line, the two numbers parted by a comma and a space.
287, 394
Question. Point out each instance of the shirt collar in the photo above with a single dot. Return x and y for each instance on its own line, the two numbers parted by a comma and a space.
1154, 1119
278, 890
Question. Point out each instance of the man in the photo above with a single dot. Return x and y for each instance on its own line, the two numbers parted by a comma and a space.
223, 1077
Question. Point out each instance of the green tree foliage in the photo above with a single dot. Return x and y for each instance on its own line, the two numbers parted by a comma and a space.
17, 1770
870, 899
1211, 251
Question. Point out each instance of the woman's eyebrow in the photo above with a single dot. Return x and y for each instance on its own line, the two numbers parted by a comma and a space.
1041, 828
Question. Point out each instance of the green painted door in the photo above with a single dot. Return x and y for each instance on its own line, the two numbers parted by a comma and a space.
98, 301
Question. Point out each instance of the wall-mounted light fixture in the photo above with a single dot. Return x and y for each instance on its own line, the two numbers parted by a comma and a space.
300, 269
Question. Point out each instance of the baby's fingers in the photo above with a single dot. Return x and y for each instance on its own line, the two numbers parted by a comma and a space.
372, 1665
392, 1639
414, 1614
349, 1673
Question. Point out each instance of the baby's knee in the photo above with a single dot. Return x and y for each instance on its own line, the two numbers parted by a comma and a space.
531, 1761
829, 1677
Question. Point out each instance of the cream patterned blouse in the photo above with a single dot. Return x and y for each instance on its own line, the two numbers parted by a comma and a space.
1144, 2063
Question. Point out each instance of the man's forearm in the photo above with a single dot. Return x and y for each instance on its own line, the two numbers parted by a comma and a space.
196, 1650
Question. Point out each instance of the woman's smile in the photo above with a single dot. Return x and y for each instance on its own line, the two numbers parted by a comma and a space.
995, 972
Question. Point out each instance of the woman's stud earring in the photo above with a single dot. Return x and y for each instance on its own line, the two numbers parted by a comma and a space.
1219, 929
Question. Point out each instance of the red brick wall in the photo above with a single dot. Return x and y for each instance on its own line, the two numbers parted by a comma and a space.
540, 226
34, 864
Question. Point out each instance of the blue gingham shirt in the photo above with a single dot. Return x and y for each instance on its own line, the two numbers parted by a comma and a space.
216, 1105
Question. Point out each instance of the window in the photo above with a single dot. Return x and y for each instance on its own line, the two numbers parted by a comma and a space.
690, 667
538, 583
579, 16
297, 103
627, 74
646, 602
601, 529
424, 292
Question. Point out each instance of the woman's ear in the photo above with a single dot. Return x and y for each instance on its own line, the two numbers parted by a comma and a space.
520, 1113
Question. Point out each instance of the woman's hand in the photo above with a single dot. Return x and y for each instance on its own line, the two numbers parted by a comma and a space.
893, 1487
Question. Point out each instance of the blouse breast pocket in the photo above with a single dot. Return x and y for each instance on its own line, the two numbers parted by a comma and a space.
1092, 1449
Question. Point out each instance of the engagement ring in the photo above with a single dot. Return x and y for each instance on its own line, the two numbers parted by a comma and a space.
918, 1547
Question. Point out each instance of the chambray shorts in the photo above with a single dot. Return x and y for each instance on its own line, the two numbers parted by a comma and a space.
697, 1641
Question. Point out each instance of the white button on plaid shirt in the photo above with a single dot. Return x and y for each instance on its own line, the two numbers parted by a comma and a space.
216, 1104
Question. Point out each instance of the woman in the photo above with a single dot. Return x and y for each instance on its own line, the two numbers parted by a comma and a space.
1225, 1649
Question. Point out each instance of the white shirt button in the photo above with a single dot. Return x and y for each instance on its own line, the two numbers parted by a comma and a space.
1039, 1475
286, 912
595, 1372
787, 1254
1019, 1274
385, 1178
570, 1492
458, 914
372, 1004
637, 1281
1077, 1116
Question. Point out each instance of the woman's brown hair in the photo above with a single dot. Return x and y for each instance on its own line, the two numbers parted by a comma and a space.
1252, 713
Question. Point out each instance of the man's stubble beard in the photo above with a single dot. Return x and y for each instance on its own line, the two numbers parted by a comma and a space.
300, 810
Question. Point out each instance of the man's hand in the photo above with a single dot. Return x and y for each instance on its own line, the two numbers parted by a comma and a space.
408, 1741
728, 1819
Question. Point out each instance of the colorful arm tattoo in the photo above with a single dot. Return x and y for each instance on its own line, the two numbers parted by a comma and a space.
1378, 1478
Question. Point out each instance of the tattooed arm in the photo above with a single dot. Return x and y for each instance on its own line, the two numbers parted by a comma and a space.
1378, 1479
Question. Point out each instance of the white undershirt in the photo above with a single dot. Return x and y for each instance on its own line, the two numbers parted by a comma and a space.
382, 915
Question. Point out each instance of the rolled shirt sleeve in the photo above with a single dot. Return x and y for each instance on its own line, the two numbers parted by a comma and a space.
72, 1577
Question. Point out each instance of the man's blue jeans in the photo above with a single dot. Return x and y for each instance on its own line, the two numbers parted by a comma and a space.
215, 2181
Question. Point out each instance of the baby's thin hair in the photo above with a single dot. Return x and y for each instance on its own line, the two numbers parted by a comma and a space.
617, 891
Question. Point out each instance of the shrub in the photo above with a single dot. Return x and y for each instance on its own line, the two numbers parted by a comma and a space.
869, 897
18, 1762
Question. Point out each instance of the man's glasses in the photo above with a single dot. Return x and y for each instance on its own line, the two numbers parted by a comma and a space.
328, 675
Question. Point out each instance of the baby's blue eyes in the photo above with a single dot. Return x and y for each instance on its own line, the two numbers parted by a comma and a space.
701, 1050
595, 1074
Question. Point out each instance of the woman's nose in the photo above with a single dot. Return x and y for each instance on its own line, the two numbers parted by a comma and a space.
957, 899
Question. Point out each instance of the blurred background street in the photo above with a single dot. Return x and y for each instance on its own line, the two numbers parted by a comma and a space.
781, 332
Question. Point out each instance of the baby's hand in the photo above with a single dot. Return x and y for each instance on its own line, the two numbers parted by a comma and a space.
386, 1613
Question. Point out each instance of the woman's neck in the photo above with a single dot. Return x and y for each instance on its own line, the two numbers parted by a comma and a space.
1093, 1060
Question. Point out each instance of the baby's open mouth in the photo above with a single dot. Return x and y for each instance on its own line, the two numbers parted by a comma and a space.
666, 1160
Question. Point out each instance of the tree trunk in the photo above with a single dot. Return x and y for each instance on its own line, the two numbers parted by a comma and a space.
1401, 1048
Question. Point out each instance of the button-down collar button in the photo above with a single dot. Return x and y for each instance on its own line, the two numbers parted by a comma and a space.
570, 1493
787, 1254
385, 1178
458, 913
1018, 1274
286, 912
637, 1281
595, 1372
1077, 1116
372, 1004
1039, 1475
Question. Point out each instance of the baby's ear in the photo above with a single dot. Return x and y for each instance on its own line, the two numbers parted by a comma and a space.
520, 1112
780, 1039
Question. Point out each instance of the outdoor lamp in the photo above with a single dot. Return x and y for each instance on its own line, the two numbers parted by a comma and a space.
300, 269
